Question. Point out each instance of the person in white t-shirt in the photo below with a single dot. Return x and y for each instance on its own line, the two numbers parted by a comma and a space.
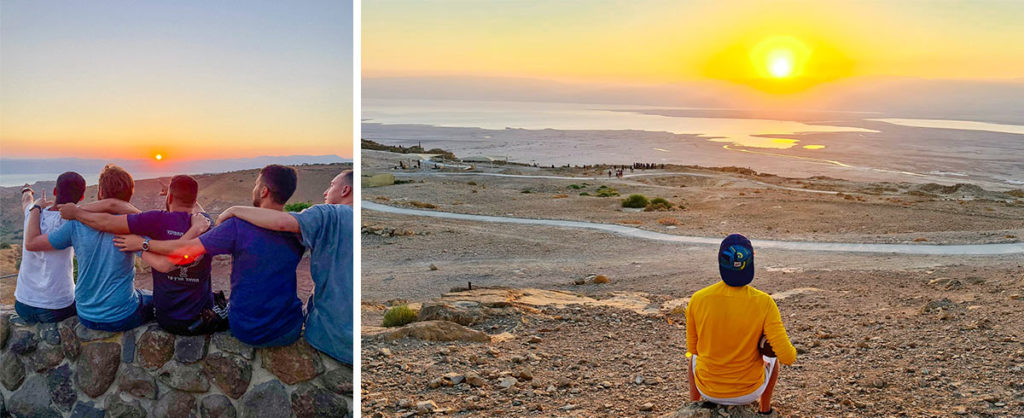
46, 289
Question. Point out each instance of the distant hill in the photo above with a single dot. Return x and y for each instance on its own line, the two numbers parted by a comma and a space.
90, 168
216, 193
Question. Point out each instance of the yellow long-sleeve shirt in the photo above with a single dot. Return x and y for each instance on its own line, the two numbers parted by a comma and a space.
723, 327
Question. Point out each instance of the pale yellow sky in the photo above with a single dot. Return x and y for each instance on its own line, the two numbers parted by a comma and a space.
666, 41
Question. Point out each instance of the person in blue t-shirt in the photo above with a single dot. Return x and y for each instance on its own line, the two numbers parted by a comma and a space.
327, 231
265, 309
182, 298
105, 295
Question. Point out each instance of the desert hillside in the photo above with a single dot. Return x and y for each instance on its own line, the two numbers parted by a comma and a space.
217, 192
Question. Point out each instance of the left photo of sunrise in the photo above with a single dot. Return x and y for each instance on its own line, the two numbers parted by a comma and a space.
175, 208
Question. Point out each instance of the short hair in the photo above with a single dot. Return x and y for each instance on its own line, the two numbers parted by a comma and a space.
184, 189
116, 183
346, 178
70, 188
280, 180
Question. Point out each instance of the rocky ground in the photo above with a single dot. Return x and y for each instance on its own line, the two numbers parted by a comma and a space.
934, 342
878, 334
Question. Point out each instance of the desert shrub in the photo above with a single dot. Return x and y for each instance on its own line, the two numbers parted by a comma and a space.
5, 246
658, 204
584, 194
575, 186
397, 181
525, 191
635, 201
668, 221
631, 222
398, 316
605, 191
471, 183
297, 206
423, 205
561, 196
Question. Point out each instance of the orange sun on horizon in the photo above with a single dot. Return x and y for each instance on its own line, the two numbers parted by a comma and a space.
158, 157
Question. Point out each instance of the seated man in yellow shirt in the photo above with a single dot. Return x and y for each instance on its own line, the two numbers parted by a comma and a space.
725, 323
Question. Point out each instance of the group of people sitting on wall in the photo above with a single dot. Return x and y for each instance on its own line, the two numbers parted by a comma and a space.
265, 242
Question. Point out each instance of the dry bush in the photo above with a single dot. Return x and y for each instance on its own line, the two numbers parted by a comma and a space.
668, 221
560, 196
631, 222
423, 205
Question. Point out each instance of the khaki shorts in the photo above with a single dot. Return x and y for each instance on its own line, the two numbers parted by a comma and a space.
744, 399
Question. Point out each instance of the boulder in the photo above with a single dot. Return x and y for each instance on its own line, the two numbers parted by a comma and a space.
23, 340
184, 377
437, 331
68, 338
175, 404
310, 401
86, 410
85, 334
267, 400
294, 363
12, 371
460, 312
45, 357
155, 348
217, 406
118, 407
32, 400
229, 372
96, 367
48, 332
226, 342
62, 391
128, 346
338, 380
136, 381
190, 349
5, 328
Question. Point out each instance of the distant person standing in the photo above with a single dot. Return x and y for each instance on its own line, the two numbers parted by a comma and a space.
327, 231
45, 291
725, 322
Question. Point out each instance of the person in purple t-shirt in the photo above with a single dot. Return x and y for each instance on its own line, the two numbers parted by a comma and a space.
182, 294
265, 308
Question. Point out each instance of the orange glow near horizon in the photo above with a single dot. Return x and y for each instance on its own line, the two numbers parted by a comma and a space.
159, 157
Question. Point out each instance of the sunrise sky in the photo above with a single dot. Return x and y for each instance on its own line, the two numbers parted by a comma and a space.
668, 41
184, 79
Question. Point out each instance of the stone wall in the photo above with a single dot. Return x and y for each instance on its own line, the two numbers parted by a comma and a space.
67, 370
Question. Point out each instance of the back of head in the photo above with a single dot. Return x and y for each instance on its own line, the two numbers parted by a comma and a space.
280, 180
183, 189
70, 188
116, 183
736, 260
346, 178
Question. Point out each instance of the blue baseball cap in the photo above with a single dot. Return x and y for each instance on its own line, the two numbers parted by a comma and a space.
736, 260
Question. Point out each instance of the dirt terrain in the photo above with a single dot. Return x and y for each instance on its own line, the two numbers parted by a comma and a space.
877, 334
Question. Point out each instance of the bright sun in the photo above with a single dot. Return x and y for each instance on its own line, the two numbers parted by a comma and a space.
779, 57
781, 66
159, 157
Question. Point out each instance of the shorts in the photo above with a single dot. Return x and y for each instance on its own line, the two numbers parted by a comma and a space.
743, 399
